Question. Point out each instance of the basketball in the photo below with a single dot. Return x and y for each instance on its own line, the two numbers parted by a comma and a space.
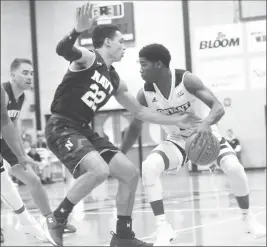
205, 154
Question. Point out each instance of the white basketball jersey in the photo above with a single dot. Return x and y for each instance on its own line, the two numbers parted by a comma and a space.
180, 100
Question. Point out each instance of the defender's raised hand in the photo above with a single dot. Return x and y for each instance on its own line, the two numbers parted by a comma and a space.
84, 19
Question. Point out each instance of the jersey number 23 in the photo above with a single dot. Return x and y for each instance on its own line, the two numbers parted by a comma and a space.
94, 97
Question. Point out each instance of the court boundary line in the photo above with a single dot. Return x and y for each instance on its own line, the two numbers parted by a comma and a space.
150, 210
205, 225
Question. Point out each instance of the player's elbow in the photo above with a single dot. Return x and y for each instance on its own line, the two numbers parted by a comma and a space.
139, 115
59, 49
221, 110
218, 107
62, 50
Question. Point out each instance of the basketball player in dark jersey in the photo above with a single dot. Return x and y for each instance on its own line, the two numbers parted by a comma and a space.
170, 92
88, 84
21, 80
8, 193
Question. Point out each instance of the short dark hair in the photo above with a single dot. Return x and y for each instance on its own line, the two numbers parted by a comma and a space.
18, 61
101, 32
156, 52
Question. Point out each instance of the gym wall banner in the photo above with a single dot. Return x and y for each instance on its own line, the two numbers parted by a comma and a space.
256, 36
257, 72
220, 40
221, 75
113, 12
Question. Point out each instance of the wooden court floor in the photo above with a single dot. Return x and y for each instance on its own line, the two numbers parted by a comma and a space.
200, 207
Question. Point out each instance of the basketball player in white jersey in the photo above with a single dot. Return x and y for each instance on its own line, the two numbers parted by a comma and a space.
177, 92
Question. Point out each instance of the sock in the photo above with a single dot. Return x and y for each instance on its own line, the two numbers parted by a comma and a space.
157, 207
158, 210
63, 211
243, 202
124, 226
161, 219
24, 216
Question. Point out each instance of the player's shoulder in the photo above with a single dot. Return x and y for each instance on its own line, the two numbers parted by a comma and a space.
6, 86
122, 87
88, 60
7, 90
192, 82
179, 75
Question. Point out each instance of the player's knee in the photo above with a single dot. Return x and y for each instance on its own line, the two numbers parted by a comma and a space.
133, 173
130, 174
101, 172
151, 171
236, 175
98, 167
230, 165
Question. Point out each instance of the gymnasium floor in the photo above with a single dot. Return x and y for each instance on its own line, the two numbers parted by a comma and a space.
199, 206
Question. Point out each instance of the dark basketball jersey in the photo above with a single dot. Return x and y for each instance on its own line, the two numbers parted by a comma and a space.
13, 109
83, 93
13, 106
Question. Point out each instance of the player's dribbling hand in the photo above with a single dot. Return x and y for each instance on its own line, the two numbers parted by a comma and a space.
26, 160
203, 131
84, 19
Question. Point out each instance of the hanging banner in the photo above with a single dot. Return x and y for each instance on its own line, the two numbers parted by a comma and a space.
215, 41
222, 75
257, 70
256, 36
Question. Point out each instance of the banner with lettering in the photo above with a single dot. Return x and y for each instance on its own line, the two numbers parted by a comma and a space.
221, 75
256, 36
220, 40
257, 70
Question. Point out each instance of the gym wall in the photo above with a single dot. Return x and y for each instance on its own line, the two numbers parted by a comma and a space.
238, 72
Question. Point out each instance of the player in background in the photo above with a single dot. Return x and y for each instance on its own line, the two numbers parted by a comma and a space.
88, 84
21, 70
172, 92
235, 143
9, 194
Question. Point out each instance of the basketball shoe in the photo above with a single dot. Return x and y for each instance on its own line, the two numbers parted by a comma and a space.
116, 241
33, 229
53, 230
165, 234
68, 228
253, 227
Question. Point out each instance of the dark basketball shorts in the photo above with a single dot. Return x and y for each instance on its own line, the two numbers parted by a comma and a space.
71, 142
7, 154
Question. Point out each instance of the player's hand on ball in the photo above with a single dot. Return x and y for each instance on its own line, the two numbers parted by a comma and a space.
84, 19
26, 160
203, 131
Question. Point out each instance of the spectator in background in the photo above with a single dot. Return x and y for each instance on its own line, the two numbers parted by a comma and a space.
36, 157
41, 143
26, 145
235, 144
26, 137
33, 153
